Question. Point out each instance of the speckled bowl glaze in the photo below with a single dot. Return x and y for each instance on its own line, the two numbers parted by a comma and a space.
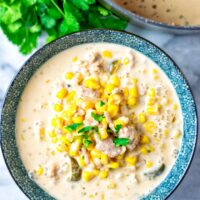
7, 128
146, 22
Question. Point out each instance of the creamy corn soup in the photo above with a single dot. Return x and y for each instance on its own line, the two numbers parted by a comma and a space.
99, 121
174, 12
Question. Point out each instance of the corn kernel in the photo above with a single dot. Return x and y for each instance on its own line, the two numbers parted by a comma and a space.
58, 107
153, 110
79, 78
70, 96
143, 150
81, 160
107, 54
75, 147
24, 120
103, 174
167, 101
69, 75
104, 122
125, 61
95, 153
154, 71
104, 96
54, 140
115, 81
133, 92
113, 165
61, 93
40, 171
103, 133
177, 134
75, 59
151, 148
113, 110
151, 92
87, 105
149, 164
166, 133
61, 148
109, 88
89, 175
91, 196
156, 77
102, 196
126, 92
134, 80
151, 101
52, 134
92, 83
175, 106
104, 159
64, 140
132, 101
100, 108
121, 121
144, 139
131, 160
150, 127
111, 185
77, 119
142, 118
41, 133
57, 122
114, 99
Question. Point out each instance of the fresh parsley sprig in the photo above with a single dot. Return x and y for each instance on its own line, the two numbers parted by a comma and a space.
23, 21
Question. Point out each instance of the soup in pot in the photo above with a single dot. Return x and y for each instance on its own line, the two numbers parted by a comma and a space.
173, 12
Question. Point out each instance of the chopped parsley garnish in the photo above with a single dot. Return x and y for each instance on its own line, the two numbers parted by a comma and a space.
85, 129
121, 142
102, 103
73, 127
97, 117
118, 128
88, 128
87, 142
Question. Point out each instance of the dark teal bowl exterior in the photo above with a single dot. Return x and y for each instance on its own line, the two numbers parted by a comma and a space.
7, 127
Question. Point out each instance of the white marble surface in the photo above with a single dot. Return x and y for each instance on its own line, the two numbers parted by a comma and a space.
185, 50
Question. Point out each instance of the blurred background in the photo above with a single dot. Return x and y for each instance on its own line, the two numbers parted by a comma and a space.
184, 49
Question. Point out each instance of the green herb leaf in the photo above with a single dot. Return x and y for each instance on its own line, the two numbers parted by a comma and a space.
29, 2
48, 21
86, 143
73, 127
85, 129
121, 142
97, 117
10, 13
118, 128
103, 11
102, 103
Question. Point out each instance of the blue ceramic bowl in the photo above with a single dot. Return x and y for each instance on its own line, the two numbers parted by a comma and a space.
7, 128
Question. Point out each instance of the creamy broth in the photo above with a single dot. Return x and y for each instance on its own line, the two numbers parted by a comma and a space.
174, 12
39, 151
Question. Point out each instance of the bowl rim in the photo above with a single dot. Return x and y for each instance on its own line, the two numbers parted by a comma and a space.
131, 15
123, 32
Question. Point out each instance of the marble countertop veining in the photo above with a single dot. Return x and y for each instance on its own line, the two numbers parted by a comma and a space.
185, 50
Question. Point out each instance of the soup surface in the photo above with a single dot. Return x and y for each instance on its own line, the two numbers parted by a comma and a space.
99, 121
174, 12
